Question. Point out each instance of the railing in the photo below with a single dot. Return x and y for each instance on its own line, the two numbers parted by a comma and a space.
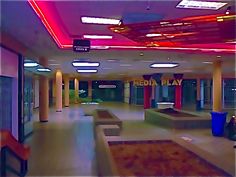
21, 152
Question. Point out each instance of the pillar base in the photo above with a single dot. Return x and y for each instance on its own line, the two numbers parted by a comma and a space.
58, 111
43, 121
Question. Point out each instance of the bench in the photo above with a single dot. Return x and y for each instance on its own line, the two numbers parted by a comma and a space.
111, 130
105, 117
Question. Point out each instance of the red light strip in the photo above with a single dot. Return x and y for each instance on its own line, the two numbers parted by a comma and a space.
39, 12
41, 15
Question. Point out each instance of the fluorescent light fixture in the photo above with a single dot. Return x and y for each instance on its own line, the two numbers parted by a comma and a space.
100, 20
87, 70
164, 65
191, 4
87, 36
125, 65
31, 64
43, 70
153, 35
75, 63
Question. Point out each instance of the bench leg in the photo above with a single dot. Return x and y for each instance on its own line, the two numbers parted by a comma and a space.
3, 162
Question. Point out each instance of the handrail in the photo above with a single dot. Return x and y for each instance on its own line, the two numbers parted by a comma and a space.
8, 140
20, 151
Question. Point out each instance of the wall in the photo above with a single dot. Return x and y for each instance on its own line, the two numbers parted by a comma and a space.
9, 68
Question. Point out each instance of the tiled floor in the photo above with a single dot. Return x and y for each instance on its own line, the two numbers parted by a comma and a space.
65, 146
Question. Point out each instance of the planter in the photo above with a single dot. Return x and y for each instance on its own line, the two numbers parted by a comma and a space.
218, 123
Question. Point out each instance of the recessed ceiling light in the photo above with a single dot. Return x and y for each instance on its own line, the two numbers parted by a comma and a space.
191, 4
31, 64
87, 70
54, 64
207, 62
147, 61
164, 65
75, 63
153, 35
111, 60
87, 36
43, 70
100, 20
125, 65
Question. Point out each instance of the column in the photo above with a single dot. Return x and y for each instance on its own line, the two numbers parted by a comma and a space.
76, 85
147, 93
217, 87
54, 90
156, 89
66, 91
198, 99
43, 93
58, 91
178, 92
90, 89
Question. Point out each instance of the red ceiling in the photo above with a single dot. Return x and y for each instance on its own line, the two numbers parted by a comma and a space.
203, 34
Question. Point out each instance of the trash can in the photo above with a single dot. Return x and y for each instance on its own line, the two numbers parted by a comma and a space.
218, 120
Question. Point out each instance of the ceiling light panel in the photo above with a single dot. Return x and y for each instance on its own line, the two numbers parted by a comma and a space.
98, 20
94, 64
31, 64
43, 70
87, 70
191, 4
164, 65
87, 36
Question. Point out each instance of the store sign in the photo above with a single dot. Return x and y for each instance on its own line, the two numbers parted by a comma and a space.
164, 82
107, 86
